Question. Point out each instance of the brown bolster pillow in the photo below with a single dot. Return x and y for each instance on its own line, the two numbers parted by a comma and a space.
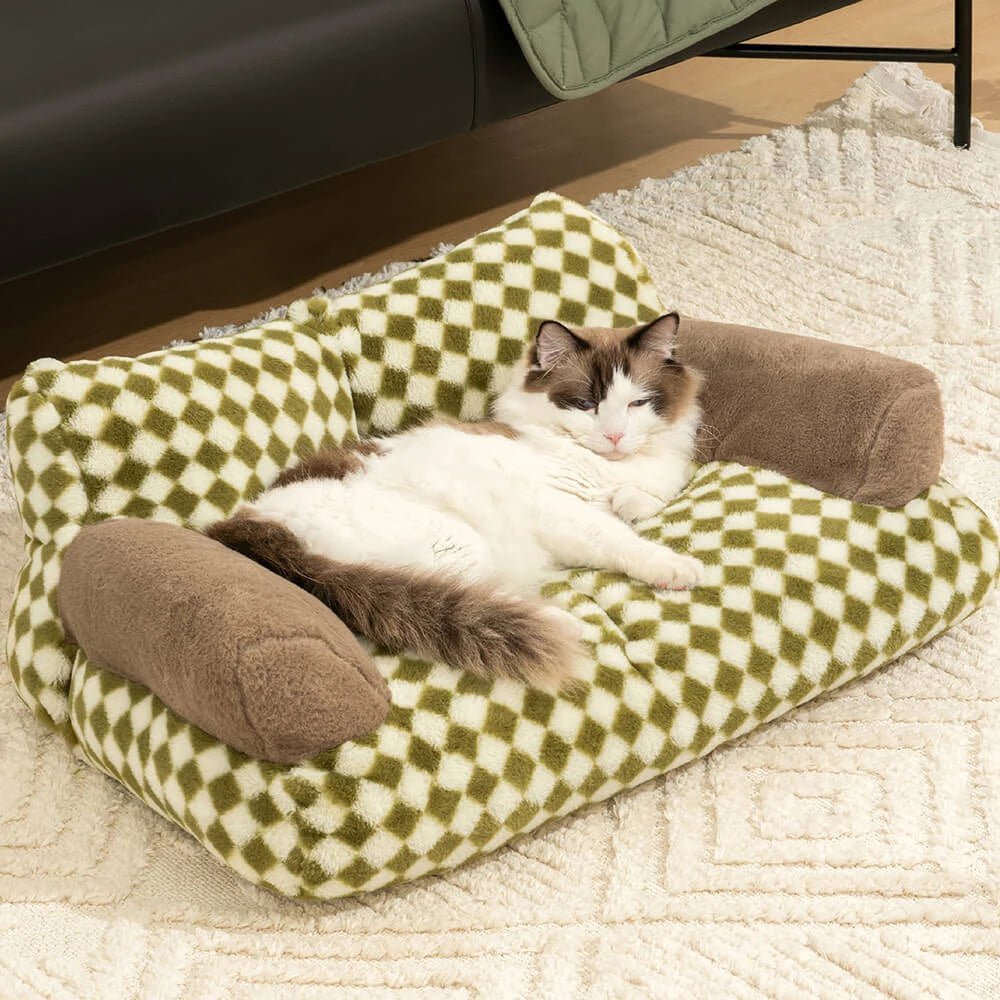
845, 420
229, 646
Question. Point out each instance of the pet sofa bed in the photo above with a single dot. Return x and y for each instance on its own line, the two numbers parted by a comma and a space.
805, 590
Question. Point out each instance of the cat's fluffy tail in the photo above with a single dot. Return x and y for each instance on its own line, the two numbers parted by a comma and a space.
467, 625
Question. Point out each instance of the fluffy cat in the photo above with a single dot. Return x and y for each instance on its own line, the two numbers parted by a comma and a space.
438, 540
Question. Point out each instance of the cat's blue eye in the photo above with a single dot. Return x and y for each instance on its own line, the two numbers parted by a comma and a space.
585, 404
638, 402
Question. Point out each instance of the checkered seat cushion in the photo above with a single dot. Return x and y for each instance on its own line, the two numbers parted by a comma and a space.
804, 590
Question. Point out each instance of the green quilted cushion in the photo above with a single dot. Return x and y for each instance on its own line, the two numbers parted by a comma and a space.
804, 590
576, 47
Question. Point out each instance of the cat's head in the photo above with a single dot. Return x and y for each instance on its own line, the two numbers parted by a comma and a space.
614, 391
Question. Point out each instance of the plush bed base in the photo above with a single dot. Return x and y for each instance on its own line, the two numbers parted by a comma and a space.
805, 592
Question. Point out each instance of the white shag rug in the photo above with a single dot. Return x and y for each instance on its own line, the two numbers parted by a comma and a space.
849, 850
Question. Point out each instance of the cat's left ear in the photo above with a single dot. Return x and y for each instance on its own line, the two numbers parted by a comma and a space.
658, 337
555, 342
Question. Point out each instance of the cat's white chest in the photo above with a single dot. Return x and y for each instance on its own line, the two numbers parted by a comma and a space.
581, 483
579, 473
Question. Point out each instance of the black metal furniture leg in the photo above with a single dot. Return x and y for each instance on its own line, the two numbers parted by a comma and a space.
963, 73
959, 56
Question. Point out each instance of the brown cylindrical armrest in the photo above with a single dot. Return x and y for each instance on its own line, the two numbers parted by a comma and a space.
845, 420
229, 646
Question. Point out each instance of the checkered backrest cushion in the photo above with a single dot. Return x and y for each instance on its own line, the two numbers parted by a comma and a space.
182, 435
435, 338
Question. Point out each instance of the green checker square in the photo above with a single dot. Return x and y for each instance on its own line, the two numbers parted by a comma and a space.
547, 280
600, 298
225, 792
402, 860
482, 784
518, 769
571, 312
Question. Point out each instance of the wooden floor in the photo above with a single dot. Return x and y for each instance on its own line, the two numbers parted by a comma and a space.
141, 296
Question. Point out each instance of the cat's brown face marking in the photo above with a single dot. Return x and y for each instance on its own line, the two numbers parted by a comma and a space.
576, 367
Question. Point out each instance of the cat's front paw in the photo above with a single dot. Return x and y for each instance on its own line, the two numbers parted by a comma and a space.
668, 570
632, 504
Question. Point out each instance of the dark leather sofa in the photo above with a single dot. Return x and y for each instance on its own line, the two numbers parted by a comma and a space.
119, 119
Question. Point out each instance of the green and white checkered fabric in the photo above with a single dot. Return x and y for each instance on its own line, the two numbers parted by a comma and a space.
804, 590
431, 340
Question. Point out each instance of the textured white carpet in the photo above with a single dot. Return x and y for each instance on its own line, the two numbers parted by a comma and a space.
850, 850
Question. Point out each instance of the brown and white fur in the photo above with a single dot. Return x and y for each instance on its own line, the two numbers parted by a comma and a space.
438, 540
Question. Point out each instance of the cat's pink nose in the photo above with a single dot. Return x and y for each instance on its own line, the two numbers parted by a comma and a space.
615, 437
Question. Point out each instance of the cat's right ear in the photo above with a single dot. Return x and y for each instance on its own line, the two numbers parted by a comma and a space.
554, 342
